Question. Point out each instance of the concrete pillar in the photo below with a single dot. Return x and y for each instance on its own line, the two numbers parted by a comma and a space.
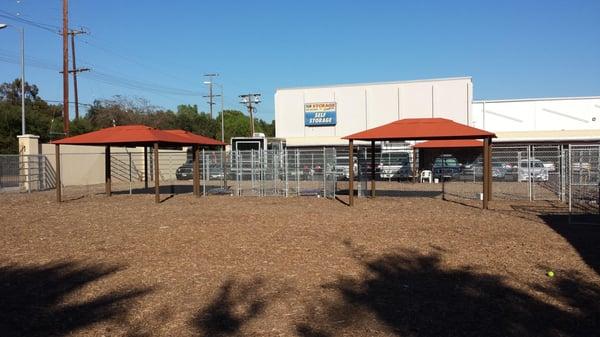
29, 163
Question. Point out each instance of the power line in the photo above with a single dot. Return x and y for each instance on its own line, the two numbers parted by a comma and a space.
132, 59
8, 57
135, 84
72, 103
47, 27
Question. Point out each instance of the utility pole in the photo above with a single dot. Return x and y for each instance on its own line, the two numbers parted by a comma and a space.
210, 92
75, 70
250, 100
65, 72
222, 115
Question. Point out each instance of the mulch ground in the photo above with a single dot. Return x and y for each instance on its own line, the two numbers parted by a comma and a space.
298, 266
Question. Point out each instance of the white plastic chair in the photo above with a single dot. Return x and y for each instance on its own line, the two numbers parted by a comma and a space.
426, 175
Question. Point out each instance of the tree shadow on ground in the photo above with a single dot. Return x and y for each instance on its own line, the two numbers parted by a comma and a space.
37, 300
234, 306
584, 238
413, 294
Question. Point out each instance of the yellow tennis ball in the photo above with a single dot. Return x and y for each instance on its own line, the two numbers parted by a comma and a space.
550, 273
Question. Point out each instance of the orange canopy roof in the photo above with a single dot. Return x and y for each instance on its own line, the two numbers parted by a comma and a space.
421, 129
134, 135
197, 139
449, 144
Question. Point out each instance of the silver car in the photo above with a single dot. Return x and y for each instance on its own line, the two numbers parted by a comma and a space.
536, 170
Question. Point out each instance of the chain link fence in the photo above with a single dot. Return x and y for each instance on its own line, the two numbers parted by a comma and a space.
583, 181
523, 172
283, 173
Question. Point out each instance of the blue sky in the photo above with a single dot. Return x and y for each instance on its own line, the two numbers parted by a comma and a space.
512, 49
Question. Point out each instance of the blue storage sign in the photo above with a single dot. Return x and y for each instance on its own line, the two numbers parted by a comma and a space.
319, 114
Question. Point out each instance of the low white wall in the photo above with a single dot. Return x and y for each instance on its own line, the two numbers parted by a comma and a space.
84, 165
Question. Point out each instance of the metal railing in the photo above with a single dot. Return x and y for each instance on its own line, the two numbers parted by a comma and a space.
26, 173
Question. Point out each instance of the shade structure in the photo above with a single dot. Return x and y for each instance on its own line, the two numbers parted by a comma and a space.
449, 144
436, 129
137, 135
197, 139
421, 129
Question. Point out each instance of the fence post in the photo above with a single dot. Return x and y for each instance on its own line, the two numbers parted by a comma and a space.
237, 172
529, 180
204, 164
570, 182
129, 153
562, 173
297, 172
333, 174
42, 172
285, 171
324, 171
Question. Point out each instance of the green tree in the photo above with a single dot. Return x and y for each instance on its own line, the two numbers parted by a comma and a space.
11, 92
237, 124
39, 115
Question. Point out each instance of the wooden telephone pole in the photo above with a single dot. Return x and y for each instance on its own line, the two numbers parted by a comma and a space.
250, 100
65, 72
74, 71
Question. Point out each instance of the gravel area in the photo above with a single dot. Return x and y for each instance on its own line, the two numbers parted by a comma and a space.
298, 266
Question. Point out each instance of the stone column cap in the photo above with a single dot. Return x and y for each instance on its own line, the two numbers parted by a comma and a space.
28, 136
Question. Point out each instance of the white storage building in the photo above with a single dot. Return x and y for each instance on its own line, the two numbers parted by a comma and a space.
320, 116
352, 108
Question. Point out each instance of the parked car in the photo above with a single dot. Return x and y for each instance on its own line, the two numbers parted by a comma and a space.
365, 169
394, 165
499, 170
550, 166
185, 171
341, 167
536, 170
446, 166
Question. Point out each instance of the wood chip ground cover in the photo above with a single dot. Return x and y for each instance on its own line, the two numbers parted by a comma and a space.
299, 266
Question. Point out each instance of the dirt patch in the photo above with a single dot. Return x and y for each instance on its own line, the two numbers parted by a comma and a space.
299, 266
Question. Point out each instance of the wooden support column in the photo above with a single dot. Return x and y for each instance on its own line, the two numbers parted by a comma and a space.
195, 157
414, 166
58, 182
351, 173
486, 172
372, 169
156, 175
491, 185
145, 167
107, 171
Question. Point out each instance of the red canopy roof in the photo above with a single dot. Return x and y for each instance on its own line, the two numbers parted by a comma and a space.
448, 144
134, 135
197, 139
421, 129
